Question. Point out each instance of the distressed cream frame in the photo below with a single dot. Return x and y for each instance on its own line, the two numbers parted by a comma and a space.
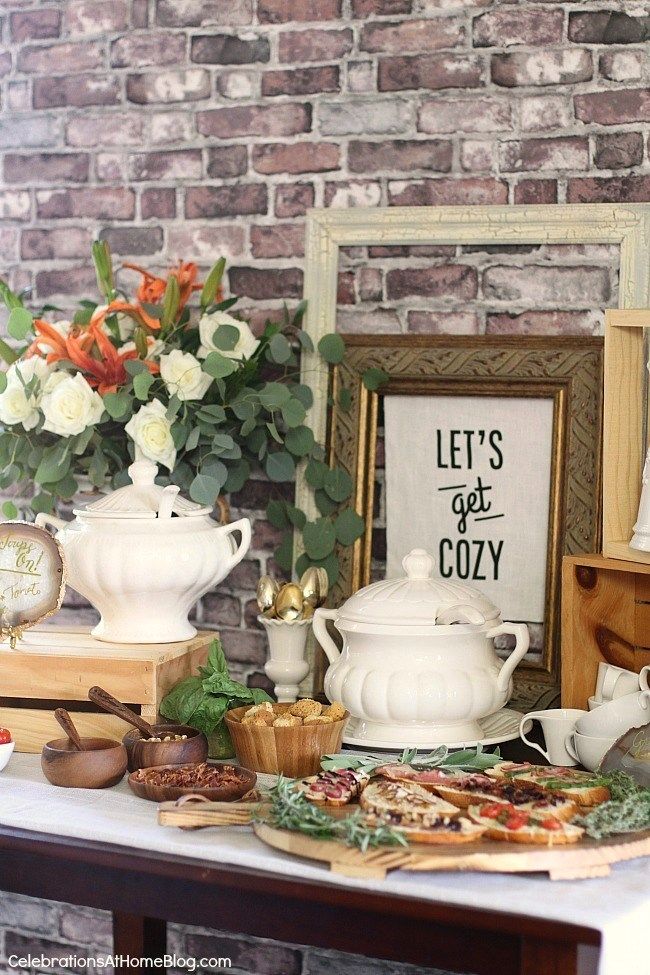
328, 230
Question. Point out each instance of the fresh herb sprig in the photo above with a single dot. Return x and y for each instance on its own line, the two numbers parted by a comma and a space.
628, 811
292, 811
466, 760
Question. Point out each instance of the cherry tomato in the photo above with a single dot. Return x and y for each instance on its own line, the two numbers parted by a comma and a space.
516, 820
551, 823
491, 810
5, 736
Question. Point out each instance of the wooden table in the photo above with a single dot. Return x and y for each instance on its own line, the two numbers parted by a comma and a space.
145, 890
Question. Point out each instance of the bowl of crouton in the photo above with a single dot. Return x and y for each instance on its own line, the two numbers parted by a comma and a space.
286, 739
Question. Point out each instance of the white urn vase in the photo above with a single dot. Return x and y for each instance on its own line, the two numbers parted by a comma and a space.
286, 665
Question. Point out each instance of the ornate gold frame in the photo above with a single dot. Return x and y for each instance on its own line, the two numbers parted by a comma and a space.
567, 369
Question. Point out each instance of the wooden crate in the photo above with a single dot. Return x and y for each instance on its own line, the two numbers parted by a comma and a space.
605, 616
55, 666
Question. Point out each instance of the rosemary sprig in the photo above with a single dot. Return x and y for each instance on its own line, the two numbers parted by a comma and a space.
466, 760
290, 810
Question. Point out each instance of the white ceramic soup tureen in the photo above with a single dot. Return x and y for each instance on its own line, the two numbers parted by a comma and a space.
143, 555
418, 665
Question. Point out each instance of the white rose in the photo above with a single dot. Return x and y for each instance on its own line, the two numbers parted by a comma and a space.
182, 375
208, 325
16, 404
69, 404
150, 430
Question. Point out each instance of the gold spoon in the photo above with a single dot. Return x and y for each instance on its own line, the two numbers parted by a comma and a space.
267, 590
289, 602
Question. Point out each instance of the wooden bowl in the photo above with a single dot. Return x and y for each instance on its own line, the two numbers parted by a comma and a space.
166, 793
101, 764
143, 753
294, 752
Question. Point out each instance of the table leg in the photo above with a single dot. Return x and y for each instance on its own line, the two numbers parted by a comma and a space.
138, 937
549, 957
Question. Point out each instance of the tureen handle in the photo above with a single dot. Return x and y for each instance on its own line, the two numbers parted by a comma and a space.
522, 637
42, 519
243, 526
332, 652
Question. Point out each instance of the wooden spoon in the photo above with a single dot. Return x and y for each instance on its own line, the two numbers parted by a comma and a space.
109, 703
67, 724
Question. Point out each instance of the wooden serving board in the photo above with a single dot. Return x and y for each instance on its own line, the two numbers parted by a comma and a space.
588, 858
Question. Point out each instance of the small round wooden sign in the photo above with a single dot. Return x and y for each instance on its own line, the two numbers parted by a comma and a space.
32, 577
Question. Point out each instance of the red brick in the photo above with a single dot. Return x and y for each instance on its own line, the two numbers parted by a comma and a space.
153, 48
238, 85
568, 152
135, 241
345, 288
160, 203
221, 610
540, 112
443, 322
120, 129
224, 162
111, 167
380, 8
225, 201
66, 281
536, 191
175, 164
19, 97
614, 107
77, 90
262, 284
504, 27
168, 86
104, 203
206, 242
94, 16
435, 71
352, 193
314, 45
361, 76
547, 285
458, 281
284, 11
399, 37
38, 244
229, 49
438, 192
364, 116
370, 284
618, 150
5, 63
293, 199
140, 13
278, 240
28, 131
543, 323
250, 120
378, 321
299, 157
617, 189
35, 25
371, 157
480, 113
200, 13
541, 68
607, 27
300, 81
478, 156
46, 167
170, 127
14, 205
84, 56
622, 65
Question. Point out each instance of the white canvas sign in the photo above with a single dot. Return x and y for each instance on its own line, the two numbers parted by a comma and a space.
468, 479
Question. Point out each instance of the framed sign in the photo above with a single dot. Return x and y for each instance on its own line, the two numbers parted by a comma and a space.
486, 450
32, 577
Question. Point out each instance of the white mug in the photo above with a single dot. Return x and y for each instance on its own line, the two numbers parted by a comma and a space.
614, 682
587, 749
556, 724
614, 718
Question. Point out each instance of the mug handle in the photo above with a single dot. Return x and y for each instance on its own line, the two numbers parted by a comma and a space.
644, 678
532, 744
568, 744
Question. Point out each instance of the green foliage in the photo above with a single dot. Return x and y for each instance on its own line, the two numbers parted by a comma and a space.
374, 378
19, 323
332, 348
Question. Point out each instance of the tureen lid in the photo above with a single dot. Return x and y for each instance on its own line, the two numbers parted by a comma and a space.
418, 599
143, 498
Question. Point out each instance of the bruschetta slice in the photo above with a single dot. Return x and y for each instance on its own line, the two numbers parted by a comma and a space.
469, 790
333, 788
583, 788
505, 822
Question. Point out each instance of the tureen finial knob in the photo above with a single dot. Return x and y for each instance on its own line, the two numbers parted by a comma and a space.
143, 472
418, 564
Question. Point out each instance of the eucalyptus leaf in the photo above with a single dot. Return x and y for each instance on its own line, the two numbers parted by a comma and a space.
315, 472
299, 441
19, 323
192, 439
293, 413
117, 405
345, 399
279, 349
3, 381
303, 393
332, 348
9, 510
238, 474
280, 466
205, 489
142, 384
319, 538
338, 484
324, 503
276, 513
374, 378
219, 366
349, 526
273, 396
54, 465
284, 552
226, 337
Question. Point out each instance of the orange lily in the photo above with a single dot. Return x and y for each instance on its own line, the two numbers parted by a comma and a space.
51, 344
135, 311
107, 373
152, 288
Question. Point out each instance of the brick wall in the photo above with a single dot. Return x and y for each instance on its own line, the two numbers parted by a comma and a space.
204, 127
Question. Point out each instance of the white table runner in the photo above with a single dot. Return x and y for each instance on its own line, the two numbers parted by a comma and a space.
618, 905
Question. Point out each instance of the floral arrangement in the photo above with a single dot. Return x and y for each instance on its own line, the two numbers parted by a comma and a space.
185, 384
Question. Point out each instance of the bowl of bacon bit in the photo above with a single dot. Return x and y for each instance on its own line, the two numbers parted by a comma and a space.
219, 783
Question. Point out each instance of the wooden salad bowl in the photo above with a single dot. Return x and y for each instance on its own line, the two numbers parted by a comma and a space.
294, 752
144, 753
167, 793
101, 764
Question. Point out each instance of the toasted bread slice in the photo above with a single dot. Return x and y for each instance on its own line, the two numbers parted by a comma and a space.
583, 788
443, 831
333, 788
404, 804
544, 831
479, 788
427, 778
